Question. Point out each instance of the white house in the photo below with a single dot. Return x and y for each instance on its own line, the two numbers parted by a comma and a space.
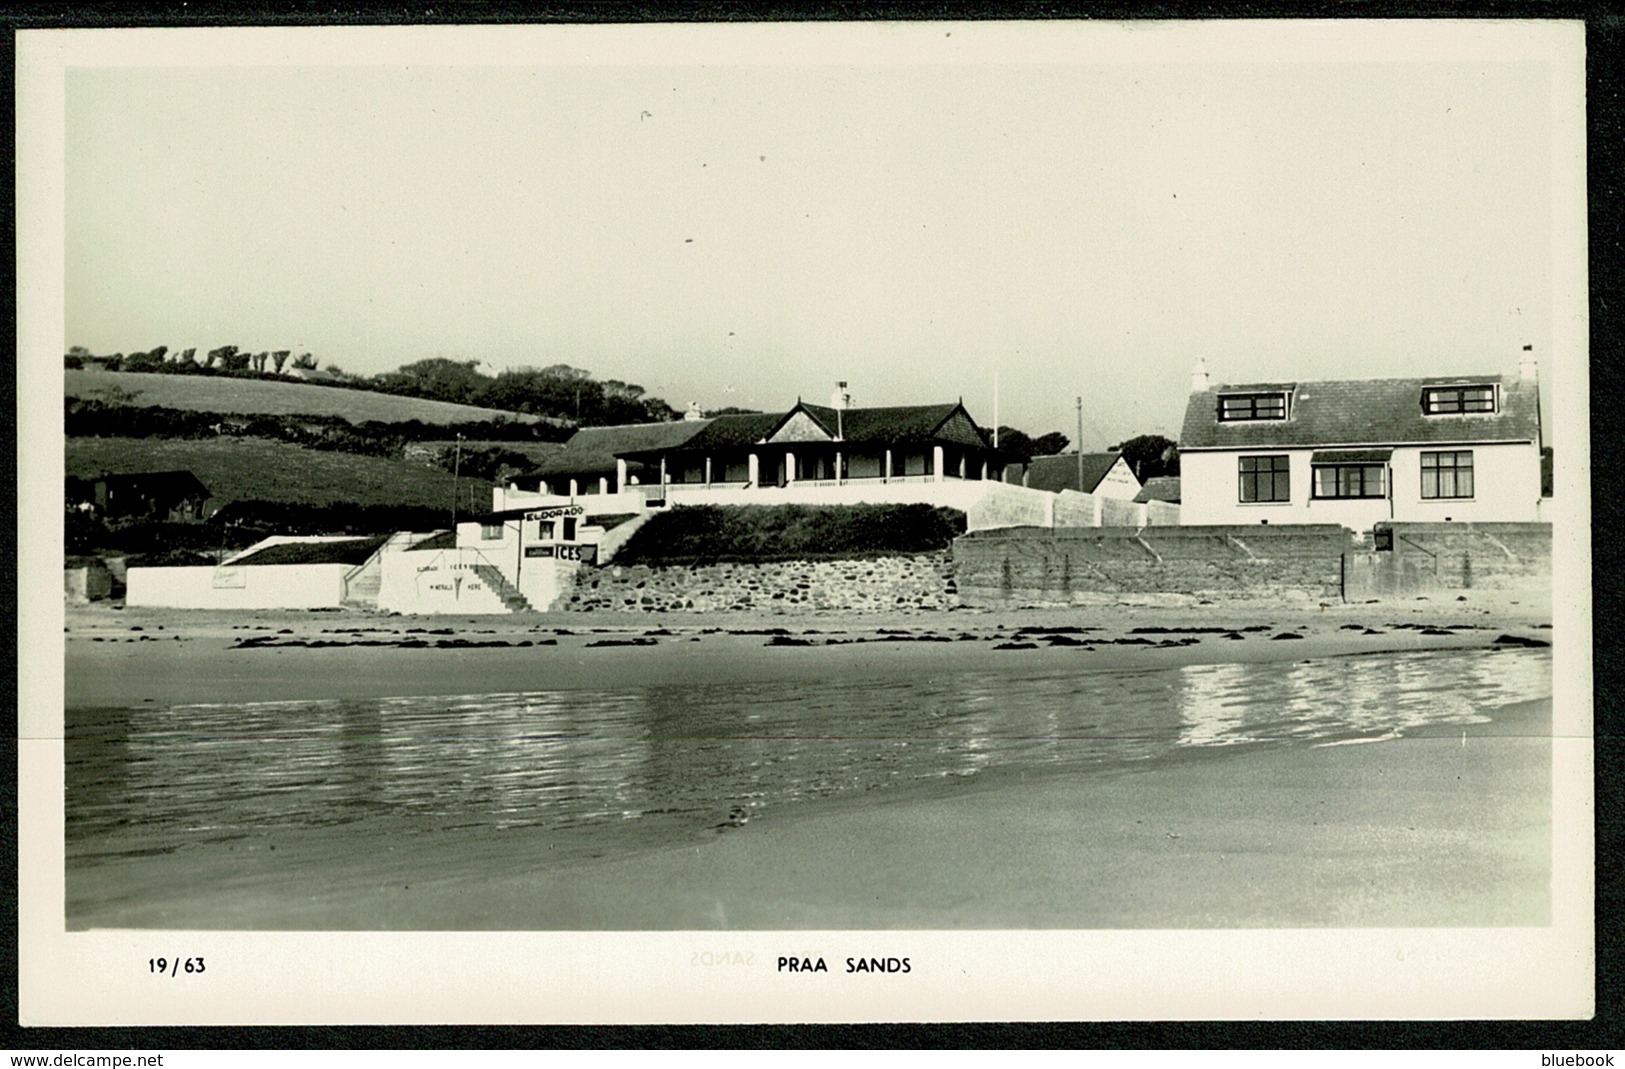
1460, 448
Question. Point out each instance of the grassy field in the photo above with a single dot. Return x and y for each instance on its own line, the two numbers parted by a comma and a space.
208, 393
253, 468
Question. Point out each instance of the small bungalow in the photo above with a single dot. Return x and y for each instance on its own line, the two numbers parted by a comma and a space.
812, 454
281, 572
1107, 474
175, 496
1462, 448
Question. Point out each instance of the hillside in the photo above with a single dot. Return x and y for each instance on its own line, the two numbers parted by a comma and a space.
254, 468
215, 393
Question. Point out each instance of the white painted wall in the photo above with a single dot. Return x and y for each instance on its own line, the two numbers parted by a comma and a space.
247, 586
631, 500
426, 582
1506, 489
1119, 482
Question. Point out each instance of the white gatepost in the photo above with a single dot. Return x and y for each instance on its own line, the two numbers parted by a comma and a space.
572, 489
603, 485
755, 470
620, 474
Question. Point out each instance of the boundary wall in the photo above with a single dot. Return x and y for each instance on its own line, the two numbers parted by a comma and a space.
1061, 566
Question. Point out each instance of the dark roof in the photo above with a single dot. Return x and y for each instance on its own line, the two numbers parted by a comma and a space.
1059, 473
722, 432
438, 540
592, 450
349, 551
1364, 412
882, 426
180, 481
891, 425
1159, 488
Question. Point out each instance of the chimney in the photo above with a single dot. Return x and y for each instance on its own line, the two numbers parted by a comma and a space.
693, 412
840, 399
1199, 379
1527, 367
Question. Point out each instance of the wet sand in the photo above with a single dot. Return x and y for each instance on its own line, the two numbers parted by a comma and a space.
1450, 829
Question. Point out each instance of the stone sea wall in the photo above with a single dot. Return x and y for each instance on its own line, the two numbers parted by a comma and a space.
882, 584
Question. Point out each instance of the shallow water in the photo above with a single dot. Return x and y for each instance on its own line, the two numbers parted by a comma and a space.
678, 758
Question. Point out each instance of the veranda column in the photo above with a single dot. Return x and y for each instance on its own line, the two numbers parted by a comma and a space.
838, 479
708, 473
885, 475
789, 468
936, 462
755, 470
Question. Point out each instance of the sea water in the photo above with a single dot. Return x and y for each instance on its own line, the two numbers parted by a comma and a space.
677, 759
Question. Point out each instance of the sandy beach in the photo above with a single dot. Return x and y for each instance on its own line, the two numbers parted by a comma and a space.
1436, 828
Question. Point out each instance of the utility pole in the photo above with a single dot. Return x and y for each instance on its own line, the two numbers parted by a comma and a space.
1079, 447
456, 474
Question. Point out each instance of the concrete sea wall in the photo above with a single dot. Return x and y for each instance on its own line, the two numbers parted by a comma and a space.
881, 584
1418, 558
1059, 566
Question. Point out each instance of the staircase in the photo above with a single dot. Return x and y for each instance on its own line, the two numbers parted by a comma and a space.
498, 584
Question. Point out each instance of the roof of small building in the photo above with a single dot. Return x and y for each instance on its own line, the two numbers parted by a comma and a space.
1060, 472
438, 540
1364, 412
347, 551
1159, 488
179, 480
889, 425
592, 450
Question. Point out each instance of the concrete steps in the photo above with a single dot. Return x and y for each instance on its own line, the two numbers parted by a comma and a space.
498, 584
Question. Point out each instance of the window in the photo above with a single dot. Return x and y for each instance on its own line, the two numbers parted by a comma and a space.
1447, 475
1348, 480
1236, 407
1265, 479
1453, 400
490, 531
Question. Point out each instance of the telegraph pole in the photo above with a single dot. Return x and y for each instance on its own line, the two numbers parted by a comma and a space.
1079, 447
456, 474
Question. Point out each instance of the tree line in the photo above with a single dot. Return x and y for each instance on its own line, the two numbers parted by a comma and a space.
558, 391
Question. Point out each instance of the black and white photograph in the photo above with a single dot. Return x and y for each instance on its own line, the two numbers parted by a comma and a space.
804, 522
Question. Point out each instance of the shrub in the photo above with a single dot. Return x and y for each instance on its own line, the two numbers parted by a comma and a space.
704, 534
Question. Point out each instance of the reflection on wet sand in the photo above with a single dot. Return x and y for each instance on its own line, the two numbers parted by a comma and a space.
678, 758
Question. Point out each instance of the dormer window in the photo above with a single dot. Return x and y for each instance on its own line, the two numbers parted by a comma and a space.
1241, 407
1456, 400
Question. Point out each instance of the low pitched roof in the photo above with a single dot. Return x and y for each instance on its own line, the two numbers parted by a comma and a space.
179, 481
1059, 473
883, 426
1159, 488
1364, 412
348, 551
592, 450
890, 425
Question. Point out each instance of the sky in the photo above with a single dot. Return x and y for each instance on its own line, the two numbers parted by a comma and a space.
952, 219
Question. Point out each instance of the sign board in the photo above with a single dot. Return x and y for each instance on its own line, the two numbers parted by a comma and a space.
556, 510
585, 554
